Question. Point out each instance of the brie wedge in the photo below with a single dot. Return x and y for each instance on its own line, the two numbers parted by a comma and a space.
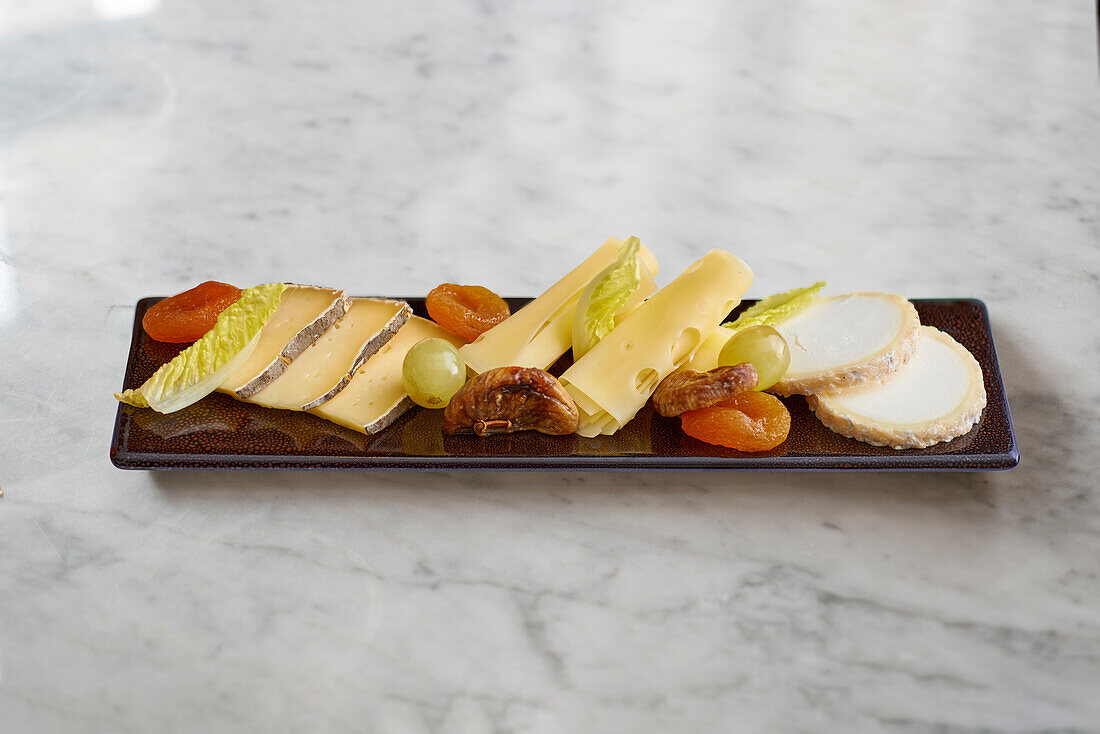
328, 365
939, 395
376, 396
305, 312
844, 341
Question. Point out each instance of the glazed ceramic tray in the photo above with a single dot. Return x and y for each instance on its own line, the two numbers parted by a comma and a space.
219, 432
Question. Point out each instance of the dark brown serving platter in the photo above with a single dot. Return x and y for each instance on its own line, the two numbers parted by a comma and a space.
219, 432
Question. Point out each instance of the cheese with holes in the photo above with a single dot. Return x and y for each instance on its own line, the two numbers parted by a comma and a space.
305, 313
612, 382
542, 331
706, 357
375, 396
327, 366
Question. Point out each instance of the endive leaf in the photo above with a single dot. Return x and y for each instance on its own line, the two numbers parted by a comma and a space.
200, 368
777, 308
604, 297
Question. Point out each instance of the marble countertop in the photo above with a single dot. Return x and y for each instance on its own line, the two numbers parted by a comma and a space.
931, 149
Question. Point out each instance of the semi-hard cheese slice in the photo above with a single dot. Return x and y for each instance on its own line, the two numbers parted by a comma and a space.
375, 397
328, 365
845, 341
939, 395
706, 356
542, 331
612, 382
304, 313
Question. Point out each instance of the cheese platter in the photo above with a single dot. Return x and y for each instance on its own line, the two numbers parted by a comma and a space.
220, 431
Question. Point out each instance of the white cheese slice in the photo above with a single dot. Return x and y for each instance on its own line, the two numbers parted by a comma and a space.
327, 366
847, 340
612, 382
375, 396
304, 313
937, 396
542, 331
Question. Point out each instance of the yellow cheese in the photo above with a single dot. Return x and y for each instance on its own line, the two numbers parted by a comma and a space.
612, 382
304, 314
327, 366
706, 357
540, 332
375, 396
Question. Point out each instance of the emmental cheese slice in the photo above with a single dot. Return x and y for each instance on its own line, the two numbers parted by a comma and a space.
375, 397
327, 366
939, 395
304, 314
542, 331
612, 382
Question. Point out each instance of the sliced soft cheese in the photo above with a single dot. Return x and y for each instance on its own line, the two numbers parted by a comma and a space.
937, 396
612, 382
542, 331
375, 396
327, 366
304, 314
847, 340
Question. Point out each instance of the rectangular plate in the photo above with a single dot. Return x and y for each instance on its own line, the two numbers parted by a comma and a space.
219, 432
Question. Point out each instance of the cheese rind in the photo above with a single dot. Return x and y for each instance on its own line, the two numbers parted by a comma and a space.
305, 313
939, 395
375, 396
612, 382
542, 331
327, 366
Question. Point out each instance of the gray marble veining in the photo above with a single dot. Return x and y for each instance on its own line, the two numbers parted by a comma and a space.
935, 150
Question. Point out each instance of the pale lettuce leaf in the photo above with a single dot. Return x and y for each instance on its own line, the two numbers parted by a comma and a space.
200, 368
775, 309
604, 297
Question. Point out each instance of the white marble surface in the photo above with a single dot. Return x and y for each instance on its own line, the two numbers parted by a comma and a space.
934, 149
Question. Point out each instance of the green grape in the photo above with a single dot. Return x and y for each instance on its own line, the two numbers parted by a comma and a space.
433, 371
764, 347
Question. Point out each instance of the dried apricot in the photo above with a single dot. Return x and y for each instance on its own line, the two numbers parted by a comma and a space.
749, 421
466, 310
186, 316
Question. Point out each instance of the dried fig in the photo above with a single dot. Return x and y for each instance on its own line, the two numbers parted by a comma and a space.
508, 399
690, 390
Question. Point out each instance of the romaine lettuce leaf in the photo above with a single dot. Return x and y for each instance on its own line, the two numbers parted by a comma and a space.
604, 297
774, 309
200, 368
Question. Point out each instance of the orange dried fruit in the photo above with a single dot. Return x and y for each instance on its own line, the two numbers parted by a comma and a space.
749, 421
186, 316
466, 310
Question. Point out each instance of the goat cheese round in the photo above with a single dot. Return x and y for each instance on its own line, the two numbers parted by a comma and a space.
848, 340
937, 396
